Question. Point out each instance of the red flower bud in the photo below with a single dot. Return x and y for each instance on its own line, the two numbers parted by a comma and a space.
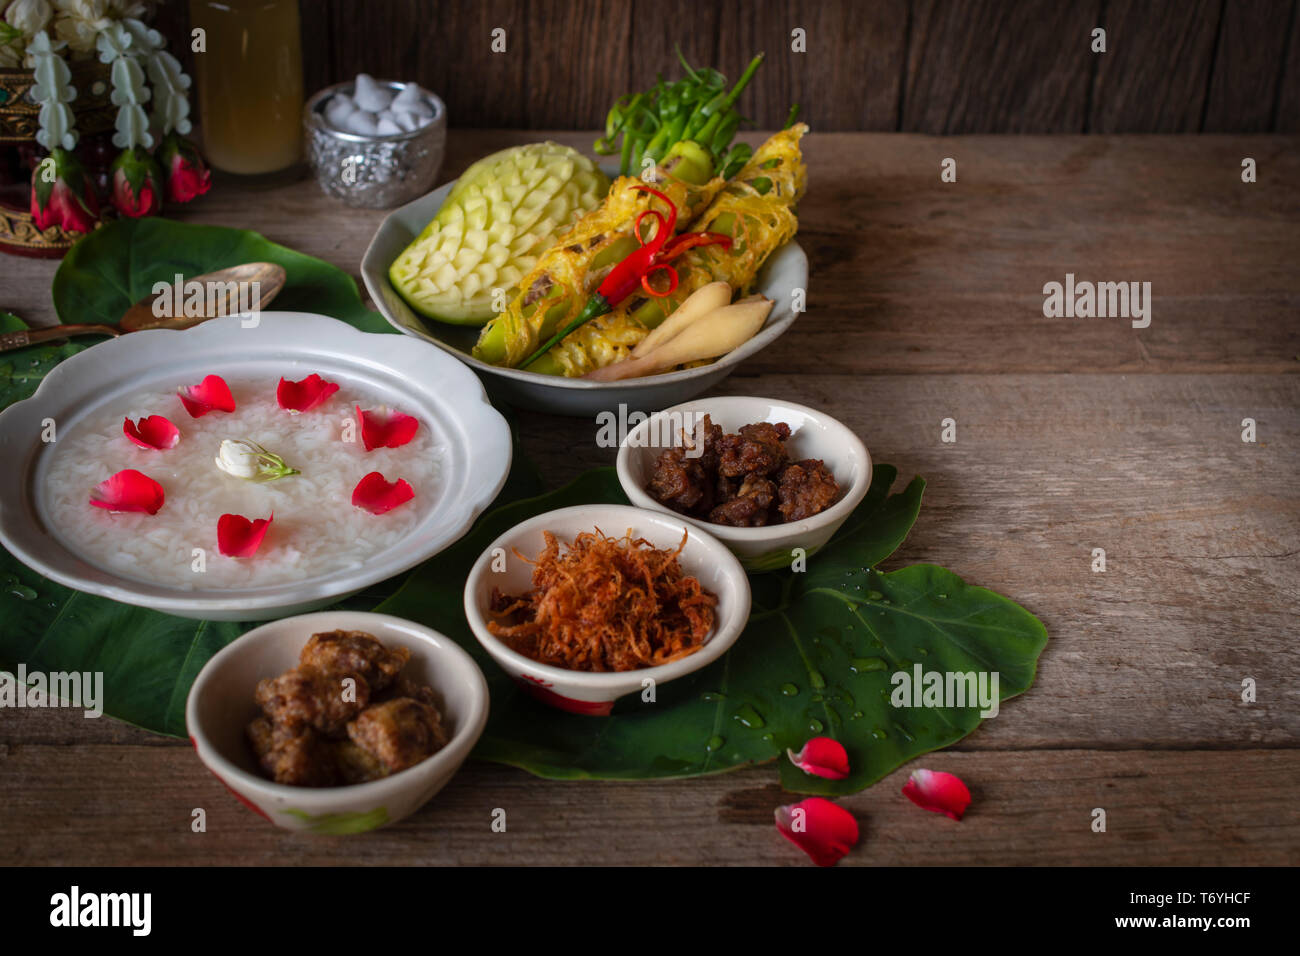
137, 183
62, 195
187, 174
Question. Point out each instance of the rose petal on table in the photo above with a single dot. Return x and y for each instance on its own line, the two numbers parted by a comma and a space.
305, 395
378, 496
823, 830
128, 490
237, 537
385, 429
210, 395
153, 431
822, 757
938, 791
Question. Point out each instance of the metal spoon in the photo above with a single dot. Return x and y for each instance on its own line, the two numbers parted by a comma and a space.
220, 298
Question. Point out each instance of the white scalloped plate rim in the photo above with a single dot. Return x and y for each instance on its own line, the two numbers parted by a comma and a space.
440, 385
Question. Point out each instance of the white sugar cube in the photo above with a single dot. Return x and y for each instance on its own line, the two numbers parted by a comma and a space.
369, 95
408, 97
339, 108
361, 122
386, 126
364, 83
407, 121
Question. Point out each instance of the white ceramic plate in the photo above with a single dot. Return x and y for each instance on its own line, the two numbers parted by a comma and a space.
785, 271
415, 377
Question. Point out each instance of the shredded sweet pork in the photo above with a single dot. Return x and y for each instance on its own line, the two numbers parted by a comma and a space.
606, 604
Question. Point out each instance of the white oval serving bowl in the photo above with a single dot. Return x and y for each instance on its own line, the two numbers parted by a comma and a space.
813, 434
785, 270
593, 692
221, 705
421, 380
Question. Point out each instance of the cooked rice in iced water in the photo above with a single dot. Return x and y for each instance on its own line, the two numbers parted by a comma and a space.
316, 530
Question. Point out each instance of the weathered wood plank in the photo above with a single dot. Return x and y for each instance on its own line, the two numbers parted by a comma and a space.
969, 66
1287, 116
447, 48
578, 60
1154, 75
1248, 63
913, 275
989, 66
1029, 808
849, 76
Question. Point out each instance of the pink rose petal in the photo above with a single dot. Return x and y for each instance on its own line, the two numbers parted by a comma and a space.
823, 830
938, 791
154, 432
380, 430
128, 490
822, 757
305, 395
210, 395
237, 537
378, 496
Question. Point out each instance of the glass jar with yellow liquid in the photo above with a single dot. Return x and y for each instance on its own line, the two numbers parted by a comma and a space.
250, 84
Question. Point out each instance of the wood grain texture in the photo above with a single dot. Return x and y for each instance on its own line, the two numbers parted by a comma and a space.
1154, 75
879, 225
1029, 808
567, 43
848, 78
925, 303
1286, 118
1027, 64
1249, 58
979, 66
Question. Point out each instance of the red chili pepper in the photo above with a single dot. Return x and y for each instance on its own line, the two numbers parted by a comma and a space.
635, 270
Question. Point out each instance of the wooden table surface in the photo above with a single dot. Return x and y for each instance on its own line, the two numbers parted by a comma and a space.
925, 303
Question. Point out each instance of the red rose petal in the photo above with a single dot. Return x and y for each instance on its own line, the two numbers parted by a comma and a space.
391, 430
153, 432
210, 395
305, 395
823, 830
822, 757
128, 490
378, 496
237, 537
938, 791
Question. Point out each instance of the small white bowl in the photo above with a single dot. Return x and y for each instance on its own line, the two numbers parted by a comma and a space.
814, 434
594, 692
221, 705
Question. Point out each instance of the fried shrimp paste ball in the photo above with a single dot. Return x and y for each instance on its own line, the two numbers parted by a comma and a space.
398, 733
354, 652
306, 697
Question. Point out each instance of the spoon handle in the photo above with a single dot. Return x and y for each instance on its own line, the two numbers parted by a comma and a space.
23, 337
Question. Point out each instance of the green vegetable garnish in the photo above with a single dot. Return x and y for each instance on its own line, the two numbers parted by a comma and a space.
697, 108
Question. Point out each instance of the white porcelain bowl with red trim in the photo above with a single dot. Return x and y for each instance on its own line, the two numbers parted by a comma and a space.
589, 692
221, 704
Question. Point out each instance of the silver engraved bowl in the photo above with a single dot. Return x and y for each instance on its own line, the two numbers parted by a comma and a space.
374, 172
